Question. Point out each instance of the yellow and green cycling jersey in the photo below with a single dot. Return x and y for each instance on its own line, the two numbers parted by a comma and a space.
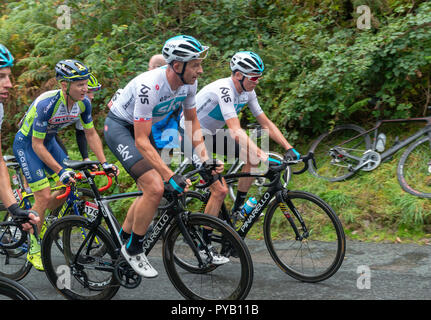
46, 115
49, 113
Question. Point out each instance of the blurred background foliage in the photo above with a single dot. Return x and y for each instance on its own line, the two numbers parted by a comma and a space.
319, 66
320, 69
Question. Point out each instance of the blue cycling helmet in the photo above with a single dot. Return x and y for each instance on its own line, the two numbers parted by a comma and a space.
183, 48
6, 58
247, 62
71, 70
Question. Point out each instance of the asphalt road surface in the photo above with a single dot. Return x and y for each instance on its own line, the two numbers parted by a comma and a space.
369, 272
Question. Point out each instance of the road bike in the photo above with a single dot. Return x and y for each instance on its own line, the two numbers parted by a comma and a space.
90, 264
256, 133
13, 261
348, 149
302, 233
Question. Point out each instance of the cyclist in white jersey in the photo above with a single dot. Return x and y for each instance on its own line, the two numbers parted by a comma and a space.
145, 100
6, 194
219, 103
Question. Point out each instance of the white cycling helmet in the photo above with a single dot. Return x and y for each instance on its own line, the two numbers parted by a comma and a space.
183, 48
247, 62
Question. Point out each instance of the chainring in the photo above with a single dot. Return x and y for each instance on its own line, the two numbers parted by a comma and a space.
125, 274
372, 160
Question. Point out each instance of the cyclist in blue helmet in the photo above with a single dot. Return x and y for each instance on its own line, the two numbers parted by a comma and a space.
36, 148
6, 195
218, 105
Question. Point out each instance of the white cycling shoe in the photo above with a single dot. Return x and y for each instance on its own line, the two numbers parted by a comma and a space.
140, 264
217, 259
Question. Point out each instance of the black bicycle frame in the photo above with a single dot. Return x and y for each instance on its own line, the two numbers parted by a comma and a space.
276, 190
153, 236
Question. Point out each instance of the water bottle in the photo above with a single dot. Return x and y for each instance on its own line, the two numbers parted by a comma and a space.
248, 207
381, 141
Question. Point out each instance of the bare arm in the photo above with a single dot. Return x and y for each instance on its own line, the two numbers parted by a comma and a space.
274, 133
193, 128
6, 196
95, 144
244, 140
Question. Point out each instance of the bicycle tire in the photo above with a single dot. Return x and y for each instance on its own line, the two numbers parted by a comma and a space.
232, 280
79, 282
258, 182
338, 168
14, 290
288, 252
413, 170
13, 260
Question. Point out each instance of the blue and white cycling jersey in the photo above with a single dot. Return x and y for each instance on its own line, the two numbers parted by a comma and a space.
220, 101
150, 97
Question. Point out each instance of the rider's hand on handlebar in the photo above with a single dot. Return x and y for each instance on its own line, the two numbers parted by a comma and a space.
177, 183
66, 176
274, 164
292, 154
25, 215
110, 169
214, 163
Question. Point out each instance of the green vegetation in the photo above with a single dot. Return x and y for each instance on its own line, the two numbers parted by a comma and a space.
321, 69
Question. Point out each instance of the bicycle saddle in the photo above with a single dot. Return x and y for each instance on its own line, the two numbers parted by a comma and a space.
80, 165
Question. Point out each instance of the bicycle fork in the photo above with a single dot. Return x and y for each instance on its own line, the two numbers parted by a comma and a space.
189, 240
283, 199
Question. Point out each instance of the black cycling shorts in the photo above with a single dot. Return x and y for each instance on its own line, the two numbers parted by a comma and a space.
120, 138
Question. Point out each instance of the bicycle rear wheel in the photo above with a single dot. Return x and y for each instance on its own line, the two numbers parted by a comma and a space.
13, 251
89, 276
14, 290
336, 162
232, 280
319, 251
414, 169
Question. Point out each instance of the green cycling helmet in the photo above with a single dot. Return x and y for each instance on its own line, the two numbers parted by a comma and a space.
93, 84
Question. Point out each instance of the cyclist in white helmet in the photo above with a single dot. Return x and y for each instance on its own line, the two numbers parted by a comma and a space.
6, 194
219, 103
144, 101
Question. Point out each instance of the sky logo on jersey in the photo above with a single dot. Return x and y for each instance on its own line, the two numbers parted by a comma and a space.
144, 94
168, 106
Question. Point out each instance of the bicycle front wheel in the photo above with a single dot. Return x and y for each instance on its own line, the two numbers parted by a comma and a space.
316, 251
336, 158
87, 276
229, 281
414, 169
14, 291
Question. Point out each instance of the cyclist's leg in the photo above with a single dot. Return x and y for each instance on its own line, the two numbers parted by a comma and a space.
120, 139
218, 190
59, 154
244, 183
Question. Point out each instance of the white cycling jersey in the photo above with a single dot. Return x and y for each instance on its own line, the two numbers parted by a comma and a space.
149, 96
1, 114
220, 101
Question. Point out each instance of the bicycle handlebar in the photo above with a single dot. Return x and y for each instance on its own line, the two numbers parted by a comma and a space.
79, 176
